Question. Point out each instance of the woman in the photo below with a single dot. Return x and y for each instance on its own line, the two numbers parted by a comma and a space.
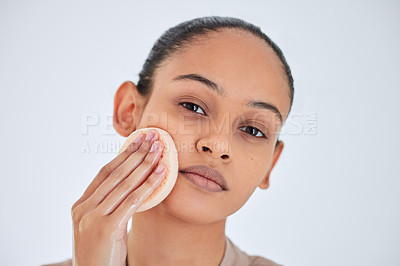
223, 90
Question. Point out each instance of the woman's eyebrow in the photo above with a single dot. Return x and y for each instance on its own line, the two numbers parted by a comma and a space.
221, 92
209, 84
264, 105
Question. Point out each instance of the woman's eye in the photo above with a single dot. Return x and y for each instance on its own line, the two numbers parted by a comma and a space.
192, 107
252, 130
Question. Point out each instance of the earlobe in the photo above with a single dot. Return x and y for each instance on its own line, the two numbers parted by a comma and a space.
127, 108
264, 184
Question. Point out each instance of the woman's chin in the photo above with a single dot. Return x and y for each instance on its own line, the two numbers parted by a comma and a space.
194, 205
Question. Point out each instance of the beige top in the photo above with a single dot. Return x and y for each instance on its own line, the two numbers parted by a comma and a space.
233, 257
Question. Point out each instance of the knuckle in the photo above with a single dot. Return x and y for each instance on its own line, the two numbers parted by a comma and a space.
105, 170
146, 164
76, 213
86, 221
151, 181
131, 147
118, 172
125, 185
141, 153
144, 149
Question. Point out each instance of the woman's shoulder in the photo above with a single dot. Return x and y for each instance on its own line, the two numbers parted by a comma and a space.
235, 257
67, 262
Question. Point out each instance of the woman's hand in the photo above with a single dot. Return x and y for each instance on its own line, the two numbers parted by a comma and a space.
101, 215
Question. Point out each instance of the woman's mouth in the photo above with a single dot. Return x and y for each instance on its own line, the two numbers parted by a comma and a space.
205, 177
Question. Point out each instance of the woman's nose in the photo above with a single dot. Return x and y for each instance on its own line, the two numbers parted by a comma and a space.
217, 149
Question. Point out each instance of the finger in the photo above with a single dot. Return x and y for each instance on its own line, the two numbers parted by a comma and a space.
109, 167
133, 181
127, 208
120, 173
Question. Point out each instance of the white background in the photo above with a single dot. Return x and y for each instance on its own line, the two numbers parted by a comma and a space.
335, 192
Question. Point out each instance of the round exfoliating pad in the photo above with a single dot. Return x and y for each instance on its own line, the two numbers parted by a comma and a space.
170, 159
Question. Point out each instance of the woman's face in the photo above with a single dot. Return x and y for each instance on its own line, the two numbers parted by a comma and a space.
239, 138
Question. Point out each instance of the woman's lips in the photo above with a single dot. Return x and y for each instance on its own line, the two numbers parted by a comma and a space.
205, 177
202, 182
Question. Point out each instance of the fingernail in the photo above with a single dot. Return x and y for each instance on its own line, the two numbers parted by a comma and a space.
154, 146
160, 168
150, 134
138, 138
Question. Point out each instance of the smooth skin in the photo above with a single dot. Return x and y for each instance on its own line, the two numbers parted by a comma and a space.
208, 128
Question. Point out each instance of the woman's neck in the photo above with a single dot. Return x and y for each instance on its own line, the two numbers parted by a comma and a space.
159, 238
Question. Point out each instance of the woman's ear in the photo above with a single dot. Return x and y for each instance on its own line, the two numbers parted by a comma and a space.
128, 108
277, 152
